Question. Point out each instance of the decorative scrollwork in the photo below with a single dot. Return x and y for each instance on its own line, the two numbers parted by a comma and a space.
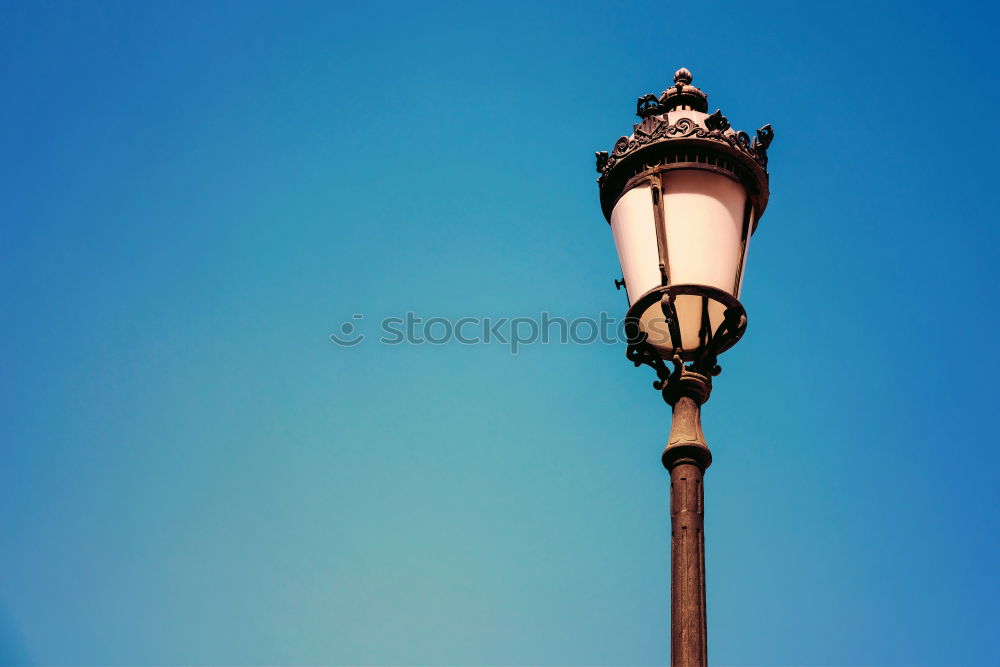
647, 105
717, 122
742, 139
765, 136
602, 160
656, 127
669, 379
641, 352
683, 127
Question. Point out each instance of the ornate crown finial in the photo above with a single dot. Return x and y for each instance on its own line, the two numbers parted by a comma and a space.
681, 95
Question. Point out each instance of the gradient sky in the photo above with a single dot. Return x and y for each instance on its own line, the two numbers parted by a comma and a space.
196, 195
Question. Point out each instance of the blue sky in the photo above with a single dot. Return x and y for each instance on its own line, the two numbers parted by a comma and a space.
195, 195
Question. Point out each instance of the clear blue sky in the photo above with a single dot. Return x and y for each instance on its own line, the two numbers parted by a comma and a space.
195, 195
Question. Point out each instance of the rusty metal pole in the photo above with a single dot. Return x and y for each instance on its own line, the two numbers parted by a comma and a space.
687, 457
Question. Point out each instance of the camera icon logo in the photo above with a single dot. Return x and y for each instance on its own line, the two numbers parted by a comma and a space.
349, 336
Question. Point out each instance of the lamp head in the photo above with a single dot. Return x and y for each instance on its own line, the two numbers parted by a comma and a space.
683, 194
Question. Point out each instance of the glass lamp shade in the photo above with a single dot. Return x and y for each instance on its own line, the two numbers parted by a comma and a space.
696, 223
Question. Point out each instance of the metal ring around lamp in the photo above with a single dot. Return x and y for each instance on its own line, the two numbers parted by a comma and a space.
727, 334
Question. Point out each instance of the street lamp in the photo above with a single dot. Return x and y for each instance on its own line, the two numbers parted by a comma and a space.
683, 195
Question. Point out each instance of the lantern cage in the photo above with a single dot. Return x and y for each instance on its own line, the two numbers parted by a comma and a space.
683, 195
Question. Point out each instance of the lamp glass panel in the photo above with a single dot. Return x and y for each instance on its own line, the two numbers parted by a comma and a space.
704, 221
633, 226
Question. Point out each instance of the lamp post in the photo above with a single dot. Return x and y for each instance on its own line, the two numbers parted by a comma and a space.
683, 195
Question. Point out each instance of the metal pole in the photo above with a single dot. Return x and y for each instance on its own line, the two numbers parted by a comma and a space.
687, 457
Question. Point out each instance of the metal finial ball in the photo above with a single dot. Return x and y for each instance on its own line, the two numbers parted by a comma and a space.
682, 76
